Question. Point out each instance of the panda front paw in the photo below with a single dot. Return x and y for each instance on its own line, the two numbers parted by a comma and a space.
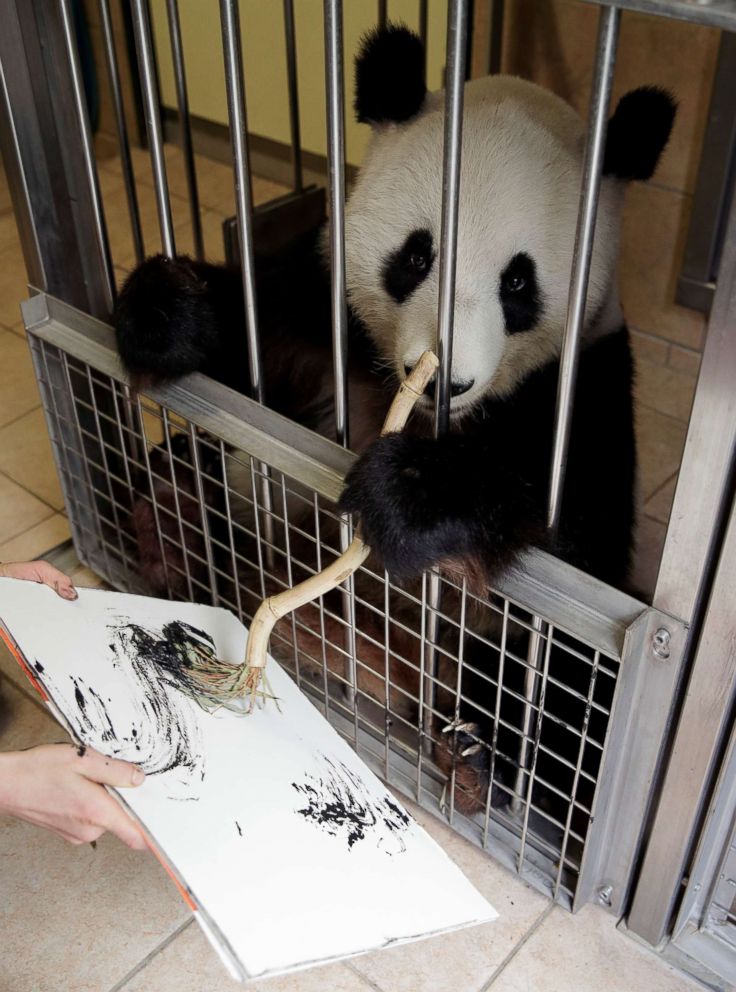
164, 319
396, 489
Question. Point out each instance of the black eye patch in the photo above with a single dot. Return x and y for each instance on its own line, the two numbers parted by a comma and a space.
409, 265
519, 294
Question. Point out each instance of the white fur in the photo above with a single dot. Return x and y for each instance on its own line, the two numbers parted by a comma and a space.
520, 183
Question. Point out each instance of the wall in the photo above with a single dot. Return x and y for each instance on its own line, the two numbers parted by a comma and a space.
264, 59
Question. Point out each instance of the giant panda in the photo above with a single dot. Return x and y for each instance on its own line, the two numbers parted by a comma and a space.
475, 498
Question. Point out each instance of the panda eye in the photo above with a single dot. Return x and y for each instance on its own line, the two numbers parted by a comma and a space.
519, 294
514, 283
406, 268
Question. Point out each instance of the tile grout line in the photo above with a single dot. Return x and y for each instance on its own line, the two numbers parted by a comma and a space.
144, 962
545, 915
35, 496
20, 416
364, 978
660, 487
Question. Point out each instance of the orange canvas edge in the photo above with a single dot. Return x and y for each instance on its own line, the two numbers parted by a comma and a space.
14, 650
172, 875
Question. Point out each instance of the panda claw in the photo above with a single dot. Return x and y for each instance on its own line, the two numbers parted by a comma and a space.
473, 749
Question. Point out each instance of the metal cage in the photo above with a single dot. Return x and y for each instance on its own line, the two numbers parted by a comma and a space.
571, 797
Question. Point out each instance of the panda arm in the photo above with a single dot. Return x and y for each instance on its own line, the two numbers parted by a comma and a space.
455, 499
175, 316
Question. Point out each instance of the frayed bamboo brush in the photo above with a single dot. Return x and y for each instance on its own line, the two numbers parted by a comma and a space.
227, 682
213, 683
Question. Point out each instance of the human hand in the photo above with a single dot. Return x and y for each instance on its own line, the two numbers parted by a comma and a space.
40, 571
57, 787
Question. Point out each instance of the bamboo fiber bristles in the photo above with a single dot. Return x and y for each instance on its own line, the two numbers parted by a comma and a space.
220, 682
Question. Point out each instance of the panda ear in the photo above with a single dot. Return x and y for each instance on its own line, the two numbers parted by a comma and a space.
638, 132
389, 76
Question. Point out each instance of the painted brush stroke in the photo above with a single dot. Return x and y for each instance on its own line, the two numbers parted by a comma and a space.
340, 803
154, 724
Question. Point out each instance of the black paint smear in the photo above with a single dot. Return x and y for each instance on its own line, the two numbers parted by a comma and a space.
157, 726
161, 662
239, 828
339, 803
178, 651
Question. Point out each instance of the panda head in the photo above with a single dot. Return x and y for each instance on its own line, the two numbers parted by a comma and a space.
519, 191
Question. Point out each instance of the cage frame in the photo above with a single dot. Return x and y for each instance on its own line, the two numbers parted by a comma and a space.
62, 232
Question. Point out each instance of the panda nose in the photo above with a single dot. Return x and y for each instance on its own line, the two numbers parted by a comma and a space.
457, 387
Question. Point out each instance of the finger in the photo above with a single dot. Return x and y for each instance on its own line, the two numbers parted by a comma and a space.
110, 771
113, 817
52, 576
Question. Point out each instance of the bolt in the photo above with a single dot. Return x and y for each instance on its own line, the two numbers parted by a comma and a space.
605, 895
661, 643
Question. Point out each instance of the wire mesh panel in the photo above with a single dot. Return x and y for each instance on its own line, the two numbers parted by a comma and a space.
441, 699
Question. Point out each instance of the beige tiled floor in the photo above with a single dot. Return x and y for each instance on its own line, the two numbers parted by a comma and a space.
108, 920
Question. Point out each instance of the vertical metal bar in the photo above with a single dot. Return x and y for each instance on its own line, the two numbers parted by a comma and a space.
582, 253
318, 538
63, 452
533, 661
84, 461
608, 26
457, 27
495, 47
423, 26
231, 534
154, 504
108, 475
126, 162
147, 67
535, 753
702, 732
199, 489
382, 13
387, 674
177, 506
458, 687
257, 526
88, 151
293, 85
185, 127
496, 721
336, 186
290, 578
232, 48
420, 701
578, 768
234, 79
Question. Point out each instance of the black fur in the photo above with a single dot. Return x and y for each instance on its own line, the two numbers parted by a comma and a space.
180, 316
638, 132
408, 266
479, 494
389, 76
519, 294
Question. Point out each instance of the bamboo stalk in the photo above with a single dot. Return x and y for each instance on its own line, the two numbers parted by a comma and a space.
274, 608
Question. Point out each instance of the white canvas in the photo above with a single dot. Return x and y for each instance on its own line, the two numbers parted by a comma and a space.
292, 850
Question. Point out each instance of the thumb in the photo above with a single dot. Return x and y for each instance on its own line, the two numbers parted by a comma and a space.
110, 771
